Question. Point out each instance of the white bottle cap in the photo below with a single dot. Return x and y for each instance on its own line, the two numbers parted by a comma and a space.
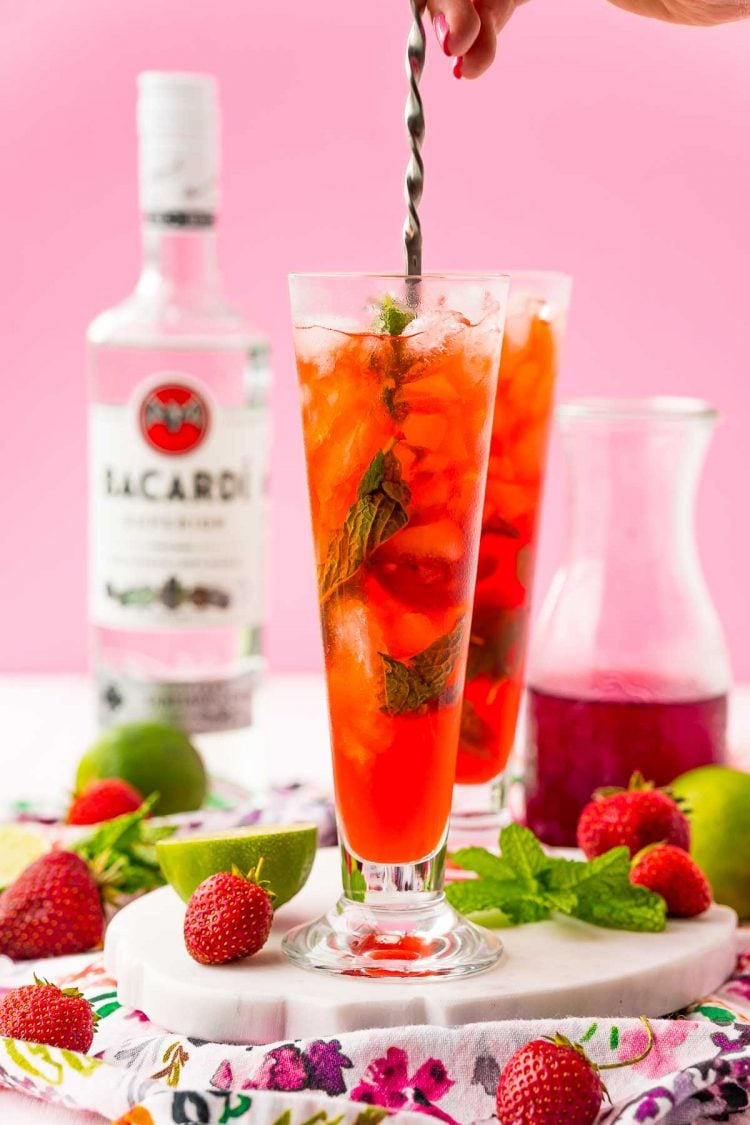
178, 135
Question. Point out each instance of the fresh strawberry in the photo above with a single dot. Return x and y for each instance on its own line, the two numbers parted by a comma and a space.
554, 1082
228, 917
53, 908
671, 873
547, 1083
43, 1013
55, 905
633, 818
104, 800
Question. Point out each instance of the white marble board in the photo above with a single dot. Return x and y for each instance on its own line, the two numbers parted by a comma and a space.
549, 969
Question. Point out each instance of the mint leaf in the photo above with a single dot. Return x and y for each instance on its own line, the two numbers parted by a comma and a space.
610, 868
398, 410
380, 510
392, 317
483, 863
521, 849
122, 853
528, 909
476, 736
495, 648
421, 679
604, 894
566, 873
507, 895
565, 902
355, 884
628, 907
470, 895
492, 919
119, 833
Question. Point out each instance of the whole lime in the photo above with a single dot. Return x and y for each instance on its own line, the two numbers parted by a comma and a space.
153, 758
717, 800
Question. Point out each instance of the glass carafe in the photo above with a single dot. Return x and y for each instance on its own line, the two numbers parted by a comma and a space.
628, 668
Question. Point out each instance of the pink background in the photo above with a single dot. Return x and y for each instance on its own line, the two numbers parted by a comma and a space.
608, 146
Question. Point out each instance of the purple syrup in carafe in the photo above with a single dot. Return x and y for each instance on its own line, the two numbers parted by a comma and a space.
575, 744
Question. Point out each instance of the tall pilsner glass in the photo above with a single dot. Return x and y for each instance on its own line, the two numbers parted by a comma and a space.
398, 379
534, 328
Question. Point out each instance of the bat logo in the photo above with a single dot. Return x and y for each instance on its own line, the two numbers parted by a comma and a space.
174, 418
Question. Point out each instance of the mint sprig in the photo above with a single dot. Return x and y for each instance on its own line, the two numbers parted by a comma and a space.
393, 317
524, 884
380, 510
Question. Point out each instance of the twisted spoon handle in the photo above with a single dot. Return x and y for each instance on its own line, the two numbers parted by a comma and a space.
414, 116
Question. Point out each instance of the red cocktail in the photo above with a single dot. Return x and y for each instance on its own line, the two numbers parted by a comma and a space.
515, 475
396, 407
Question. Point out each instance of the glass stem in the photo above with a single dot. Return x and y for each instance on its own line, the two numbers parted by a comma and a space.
388, 884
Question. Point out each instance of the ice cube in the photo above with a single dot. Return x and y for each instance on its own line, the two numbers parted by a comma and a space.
435, 328
318, 343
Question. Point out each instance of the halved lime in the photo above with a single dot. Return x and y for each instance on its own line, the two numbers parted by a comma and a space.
19, 846
287, 851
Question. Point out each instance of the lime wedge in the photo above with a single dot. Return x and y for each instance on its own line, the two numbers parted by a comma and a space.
19, 846
287, 850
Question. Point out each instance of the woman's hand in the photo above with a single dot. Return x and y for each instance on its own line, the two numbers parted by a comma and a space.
468, 29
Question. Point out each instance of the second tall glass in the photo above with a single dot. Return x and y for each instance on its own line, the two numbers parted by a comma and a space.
398, 379
535, 324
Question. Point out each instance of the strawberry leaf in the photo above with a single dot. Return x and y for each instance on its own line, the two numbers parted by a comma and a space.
423, 678
380, 510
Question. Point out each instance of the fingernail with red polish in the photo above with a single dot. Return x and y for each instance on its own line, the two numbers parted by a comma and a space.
458, 67
440, 24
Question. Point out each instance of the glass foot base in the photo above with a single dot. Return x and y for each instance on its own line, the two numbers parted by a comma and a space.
425, 941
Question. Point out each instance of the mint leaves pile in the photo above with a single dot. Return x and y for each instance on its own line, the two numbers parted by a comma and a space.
121, 853
524, 884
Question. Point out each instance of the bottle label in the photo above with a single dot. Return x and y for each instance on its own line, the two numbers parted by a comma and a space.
200, 706
177, 508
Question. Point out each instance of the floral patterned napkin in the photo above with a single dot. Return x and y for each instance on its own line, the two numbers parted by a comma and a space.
699, 1068
227, 806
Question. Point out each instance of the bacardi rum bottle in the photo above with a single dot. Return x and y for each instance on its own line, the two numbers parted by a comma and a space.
178, 444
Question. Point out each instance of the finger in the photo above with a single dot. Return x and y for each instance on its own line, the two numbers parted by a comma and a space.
500, 11
463, 24
482, 52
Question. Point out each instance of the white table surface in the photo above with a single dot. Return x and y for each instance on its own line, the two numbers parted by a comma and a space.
47, 721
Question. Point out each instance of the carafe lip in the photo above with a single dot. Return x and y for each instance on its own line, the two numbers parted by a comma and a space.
655, 408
